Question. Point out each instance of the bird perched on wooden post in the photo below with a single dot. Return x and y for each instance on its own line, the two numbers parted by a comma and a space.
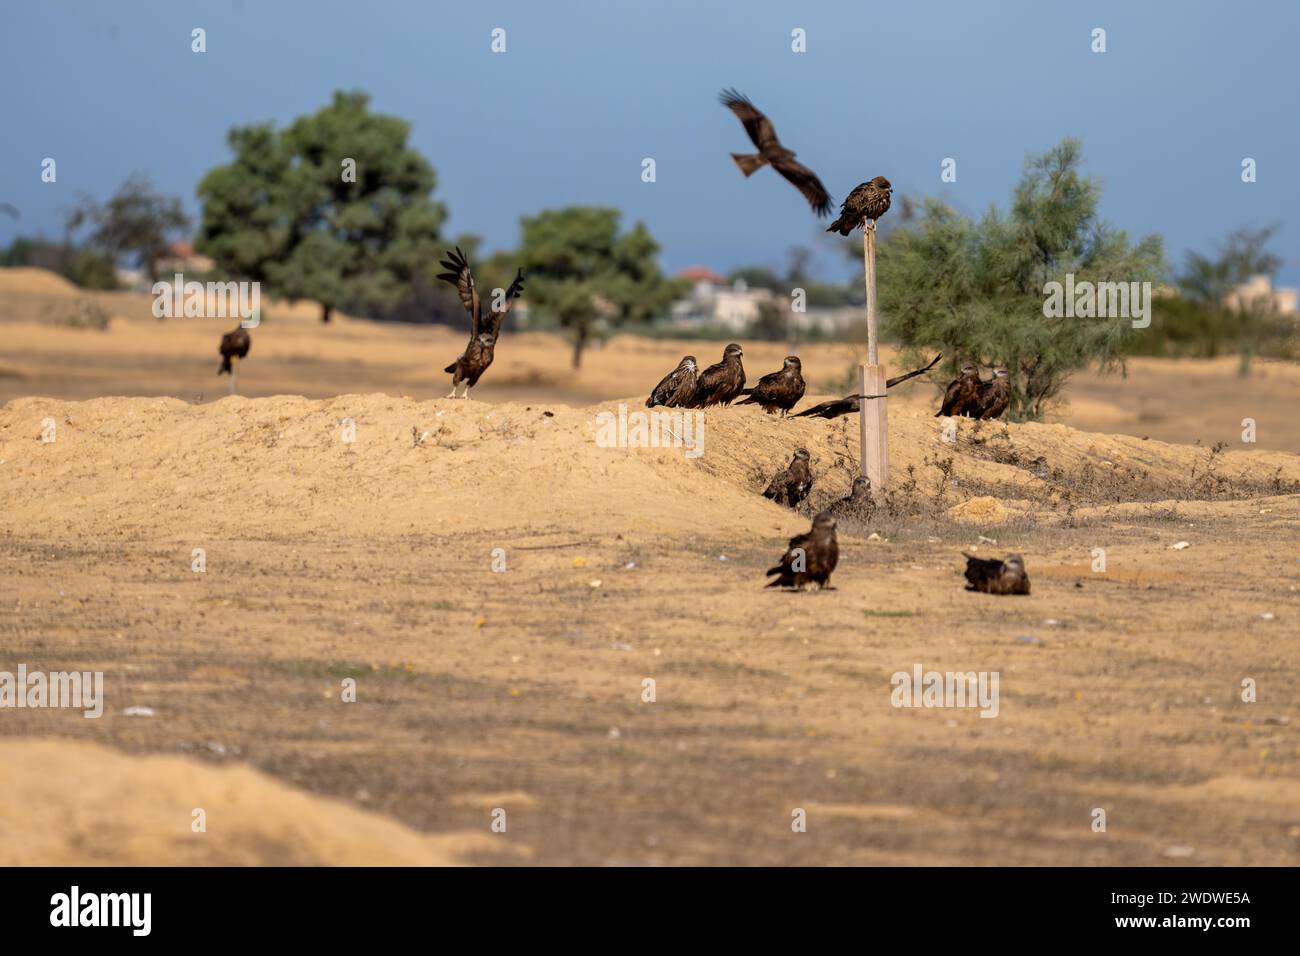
994, 396
772, 153
869, 200
850, 403
777, 391
484, 330
791, 485
234, 346
810, 558
677, 387
719, 384
992, 576
963, 392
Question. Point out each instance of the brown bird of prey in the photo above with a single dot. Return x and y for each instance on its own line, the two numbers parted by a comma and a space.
858, 503
777, 391
484, 330
234, 346
791, 486
720, 384
677, 387
996, 577
811, 557
772, 153
962, 396
994, 396
867, 201
849, 403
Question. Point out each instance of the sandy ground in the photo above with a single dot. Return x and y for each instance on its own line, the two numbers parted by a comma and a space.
523, 690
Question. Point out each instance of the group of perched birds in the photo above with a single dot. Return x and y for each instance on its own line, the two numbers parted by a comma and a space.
811, 557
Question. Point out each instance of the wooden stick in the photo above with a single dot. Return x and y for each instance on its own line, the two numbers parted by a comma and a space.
874, 416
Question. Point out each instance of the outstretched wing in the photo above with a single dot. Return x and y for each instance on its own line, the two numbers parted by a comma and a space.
458, 274
758, 126
497, 316
806, 181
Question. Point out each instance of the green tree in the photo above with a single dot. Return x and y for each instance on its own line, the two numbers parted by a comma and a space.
977, 289
337, 208
136, 223
579, 269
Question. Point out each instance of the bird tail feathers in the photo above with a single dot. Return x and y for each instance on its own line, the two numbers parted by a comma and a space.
225, 366
749, 164
450, 368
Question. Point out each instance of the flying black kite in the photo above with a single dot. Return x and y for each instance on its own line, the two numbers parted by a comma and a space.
772, 153
484, 330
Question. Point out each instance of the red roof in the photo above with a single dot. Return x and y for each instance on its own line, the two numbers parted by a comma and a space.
701, 274
181, 249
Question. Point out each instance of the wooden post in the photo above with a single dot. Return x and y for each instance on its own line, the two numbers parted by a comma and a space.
871, 379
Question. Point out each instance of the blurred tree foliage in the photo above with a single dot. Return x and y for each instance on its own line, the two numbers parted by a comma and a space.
1199, 322
583, 273
337, 208
80, 266
136, 224
976, 289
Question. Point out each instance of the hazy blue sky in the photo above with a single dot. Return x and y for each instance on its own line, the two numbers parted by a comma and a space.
587, 89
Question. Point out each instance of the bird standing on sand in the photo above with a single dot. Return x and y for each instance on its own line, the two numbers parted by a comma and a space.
996, 577
791, 486
962, 394
234, 346
868, 201
719, 384
484, 330
677, 387
777, 391
772, 153
994, 396
811, 557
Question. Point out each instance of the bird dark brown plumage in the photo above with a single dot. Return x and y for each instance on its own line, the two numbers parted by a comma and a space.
777, 391
772, 153
850, 403
869, 200
992, 576
720, 384
484, 329
810, 558
234, 346
791, 485
962, 395
994, 397
677, 387
859, 504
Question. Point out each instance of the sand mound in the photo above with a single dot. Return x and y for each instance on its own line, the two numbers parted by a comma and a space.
126, 465
24, 280
982, 510
74, 804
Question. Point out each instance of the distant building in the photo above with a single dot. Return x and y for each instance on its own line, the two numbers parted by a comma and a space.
182, 258
1258, 292
715, 303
